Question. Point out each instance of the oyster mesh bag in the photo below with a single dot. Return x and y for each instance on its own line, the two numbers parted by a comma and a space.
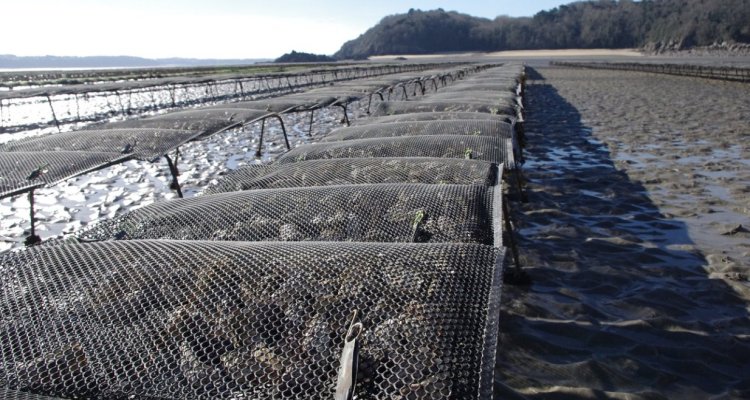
25, 170
487, 148
405, 213
417, 128
386, 108
263, 320
141, 143
355, 171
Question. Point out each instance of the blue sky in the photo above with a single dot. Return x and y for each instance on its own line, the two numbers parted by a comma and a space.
211, 28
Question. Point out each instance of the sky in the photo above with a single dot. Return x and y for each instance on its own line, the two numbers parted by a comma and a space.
211, 28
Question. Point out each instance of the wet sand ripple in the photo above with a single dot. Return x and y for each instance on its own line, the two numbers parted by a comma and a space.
626, 301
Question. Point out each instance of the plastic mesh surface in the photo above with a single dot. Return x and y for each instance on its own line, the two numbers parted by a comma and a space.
404, 107
22, 171
182, 319
404, 213
417, 128
202, 127
228, 115
493, 149
9, 394
142, 144
283, 103
433, 116
491, 98
485, 87
205, 120
356, 171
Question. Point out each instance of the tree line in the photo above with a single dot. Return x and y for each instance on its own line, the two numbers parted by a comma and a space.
658, 24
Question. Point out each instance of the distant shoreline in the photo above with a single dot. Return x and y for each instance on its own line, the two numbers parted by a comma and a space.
523, 53
9, 62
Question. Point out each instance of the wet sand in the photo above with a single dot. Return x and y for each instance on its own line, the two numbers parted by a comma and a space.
637, 185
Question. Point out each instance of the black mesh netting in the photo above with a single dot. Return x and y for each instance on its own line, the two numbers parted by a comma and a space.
205, 120
9, 394
201, 127
184, 319
23, 170
406, 213
485, 87
230, 116
491, 98
356, 171
395, 129
140, 143
493, 149
425, 105
283, 103
433, 116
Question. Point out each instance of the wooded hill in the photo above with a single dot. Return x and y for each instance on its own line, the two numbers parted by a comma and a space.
656, 24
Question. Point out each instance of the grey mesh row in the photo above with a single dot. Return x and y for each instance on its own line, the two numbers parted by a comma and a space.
229, 117
474, 127
268, 320
493, 86
425, 105
492, 98
201, 127
492, 149
140, 143
434, 116
9, 394
283, 103
23, 170
145, 84
406, 213
358, 171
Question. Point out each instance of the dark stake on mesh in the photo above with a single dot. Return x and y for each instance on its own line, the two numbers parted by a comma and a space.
128, 148
349, 361
419, 235
175, 185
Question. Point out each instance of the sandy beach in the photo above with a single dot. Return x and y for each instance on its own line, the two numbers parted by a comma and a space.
635, 236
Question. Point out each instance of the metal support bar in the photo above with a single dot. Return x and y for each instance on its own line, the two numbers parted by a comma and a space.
175, 185
309, 131
511, 236
78, 108
518, 276
346, 116
519, 186
119, 100
283, 129
260, 141
33, 238
54, 116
